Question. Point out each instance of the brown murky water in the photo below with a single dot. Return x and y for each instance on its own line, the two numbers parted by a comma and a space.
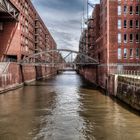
65, 108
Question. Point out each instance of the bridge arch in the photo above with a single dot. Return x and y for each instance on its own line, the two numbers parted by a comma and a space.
54, 56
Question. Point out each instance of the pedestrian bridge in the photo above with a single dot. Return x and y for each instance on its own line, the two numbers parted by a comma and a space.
57, 57
8, 12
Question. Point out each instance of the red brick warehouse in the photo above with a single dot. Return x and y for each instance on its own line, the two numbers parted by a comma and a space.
117, 46
22, 32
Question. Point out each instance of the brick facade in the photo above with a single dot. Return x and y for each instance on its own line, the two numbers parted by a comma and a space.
115, 37
22, 37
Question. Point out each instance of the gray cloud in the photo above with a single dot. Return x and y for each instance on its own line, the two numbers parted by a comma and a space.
63, 19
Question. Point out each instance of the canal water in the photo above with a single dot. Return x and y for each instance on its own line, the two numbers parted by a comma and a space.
65, 107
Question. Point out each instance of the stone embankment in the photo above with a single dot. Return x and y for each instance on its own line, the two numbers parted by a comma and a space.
125, 87
13, 76
128, 90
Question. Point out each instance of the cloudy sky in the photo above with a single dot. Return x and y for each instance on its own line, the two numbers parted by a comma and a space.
63, 19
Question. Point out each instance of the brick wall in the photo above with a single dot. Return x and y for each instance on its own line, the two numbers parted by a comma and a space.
9, 40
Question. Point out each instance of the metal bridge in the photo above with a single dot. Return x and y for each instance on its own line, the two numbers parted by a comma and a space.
8, 12
57, 57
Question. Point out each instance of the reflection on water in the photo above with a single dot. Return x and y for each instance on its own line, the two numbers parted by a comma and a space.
64, 108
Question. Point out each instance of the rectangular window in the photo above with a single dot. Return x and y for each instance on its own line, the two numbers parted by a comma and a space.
125, 23
137, 24
125, 38
125, 9
137, 52
131, 24
131, 38
137, 10
137, 38
125, 53
119, 24
131, 10
26, 41
119, 53
131, 53
119, 37
119, 10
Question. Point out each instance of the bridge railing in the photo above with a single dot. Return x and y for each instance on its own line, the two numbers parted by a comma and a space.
126, 72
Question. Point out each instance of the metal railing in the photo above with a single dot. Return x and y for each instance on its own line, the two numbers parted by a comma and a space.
126, 72
129, 72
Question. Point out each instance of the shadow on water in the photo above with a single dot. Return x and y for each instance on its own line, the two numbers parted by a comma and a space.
88, 85
125, 106
50, 82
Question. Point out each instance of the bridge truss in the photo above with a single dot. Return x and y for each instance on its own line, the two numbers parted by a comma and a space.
8, 12
57, 57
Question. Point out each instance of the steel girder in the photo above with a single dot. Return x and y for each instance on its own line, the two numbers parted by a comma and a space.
81, 58
8, 10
